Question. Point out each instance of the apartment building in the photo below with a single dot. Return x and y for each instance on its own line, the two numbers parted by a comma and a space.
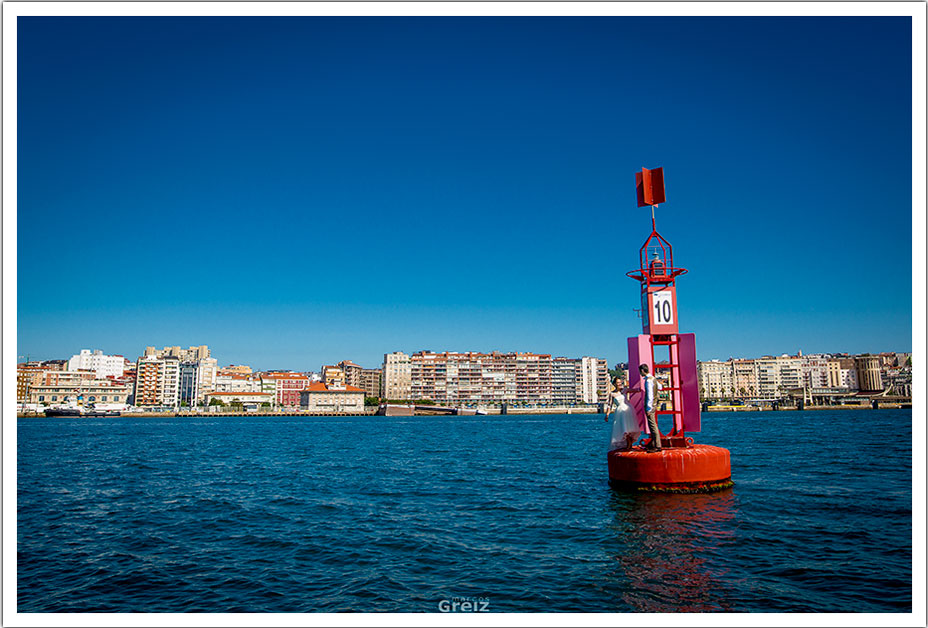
397, 376
791, 377
30, 374
285, 386
744, 378
475, 378
157, 381
352, 373
593, 380
101, 365
197, 377
238, 383
869, 378
716, 379
841, 373
565, 372
371, 382
815, 371
768, 378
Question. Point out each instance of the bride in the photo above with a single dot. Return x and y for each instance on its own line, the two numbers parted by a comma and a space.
625, 430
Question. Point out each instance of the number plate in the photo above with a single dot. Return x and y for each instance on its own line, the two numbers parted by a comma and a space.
662, 310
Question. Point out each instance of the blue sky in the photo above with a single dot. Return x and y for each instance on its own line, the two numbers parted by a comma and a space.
296, 191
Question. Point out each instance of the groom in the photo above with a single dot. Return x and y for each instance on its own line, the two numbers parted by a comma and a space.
650, 386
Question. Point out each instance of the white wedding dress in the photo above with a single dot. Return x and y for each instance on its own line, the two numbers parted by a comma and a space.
624, 423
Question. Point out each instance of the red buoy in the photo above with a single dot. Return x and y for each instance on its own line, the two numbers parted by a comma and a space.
692, 469
680, 465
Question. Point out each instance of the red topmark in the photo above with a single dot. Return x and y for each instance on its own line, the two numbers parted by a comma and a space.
650, 186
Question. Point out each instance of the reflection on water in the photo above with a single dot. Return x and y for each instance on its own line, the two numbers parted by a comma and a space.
661, 543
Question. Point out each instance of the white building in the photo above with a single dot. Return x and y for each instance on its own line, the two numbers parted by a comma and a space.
103, 366
716, 379
206, 376
564, 377
791, 376
815, 371
593, 380
321, 398
768, 378
237, 383
397, 376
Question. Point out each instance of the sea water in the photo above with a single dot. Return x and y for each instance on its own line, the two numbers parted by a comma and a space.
495, 513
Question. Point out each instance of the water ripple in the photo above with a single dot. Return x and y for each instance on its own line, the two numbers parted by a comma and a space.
291, 514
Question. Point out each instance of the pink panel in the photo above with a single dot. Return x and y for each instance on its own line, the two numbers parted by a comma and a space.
677, 395
692, 421
639, 352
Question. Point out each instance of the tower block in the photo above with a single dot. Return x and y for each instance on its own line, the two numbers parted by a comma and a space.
681, 465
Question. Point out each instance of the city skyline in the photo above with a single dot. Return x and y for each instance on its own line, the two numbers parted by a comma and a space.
293, 190
133, 356
177, 377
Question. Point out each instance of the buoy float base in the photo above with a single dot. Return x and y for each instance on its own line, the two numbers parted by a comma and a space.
693, 469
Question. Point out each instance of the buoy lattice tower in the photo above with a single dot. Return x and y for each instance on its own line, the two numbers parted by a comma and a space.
681, 465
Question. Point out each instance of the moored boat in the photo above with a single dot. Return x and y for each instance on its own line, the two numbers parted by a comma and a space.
72, 408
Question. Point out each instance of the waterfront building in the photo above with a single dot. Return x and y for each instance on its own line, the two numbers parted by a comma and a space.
285, 385
815, 371
196, 379
593, 380
371, 382
207, 369
900, 382
564, 375
768, 378
240, 383
157, 381
83, 390
744, 378
716, 379
453, 377
868, 373
497, 379
103, 366
847, 374
472, 378
397, 376
188, 384
318, 397
833, 367
790, 373
533, 377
